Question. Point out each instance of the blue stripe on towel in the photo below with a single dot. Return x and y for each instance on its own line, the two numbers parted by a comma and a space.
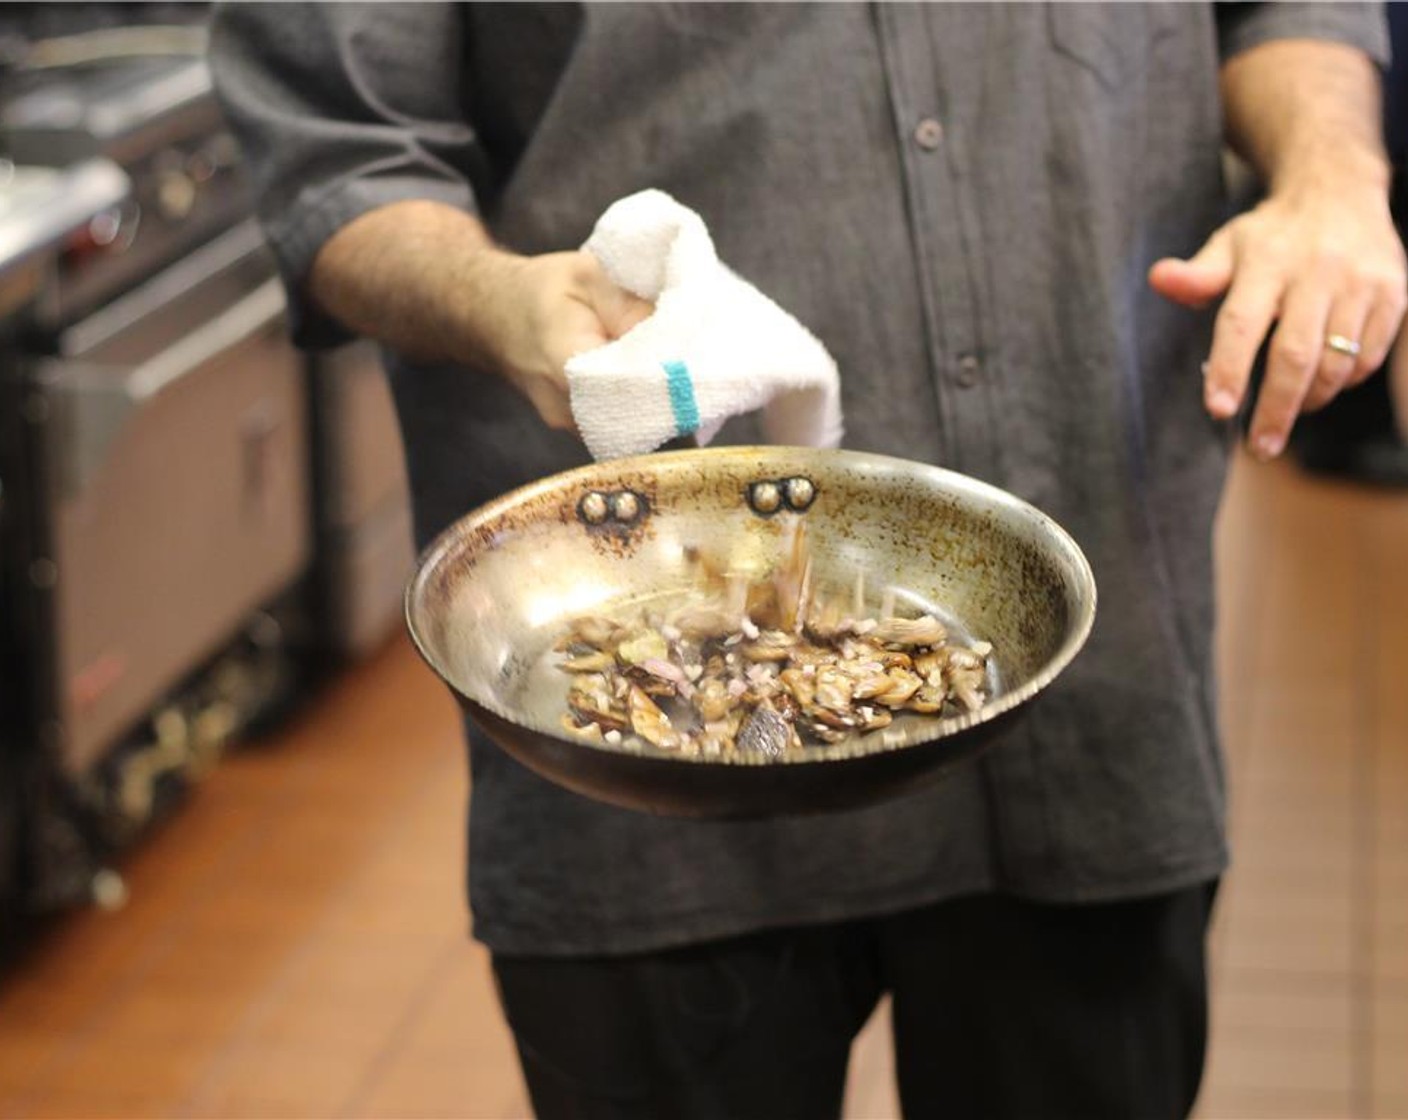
682, 402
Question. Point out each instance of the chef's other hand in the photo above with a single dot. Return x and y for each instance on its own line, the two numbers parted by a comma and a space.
1328, 269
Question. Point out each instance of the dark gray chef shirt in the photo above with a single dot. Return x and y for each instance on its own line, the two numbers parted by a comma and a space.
962, 203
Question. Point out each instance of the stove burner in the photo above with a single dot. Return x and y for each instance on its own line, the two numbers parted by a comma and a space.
152, 114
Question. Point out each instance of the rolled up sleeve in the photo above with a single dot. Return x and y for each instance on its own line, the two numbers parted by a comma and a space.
1241, 26
341, 109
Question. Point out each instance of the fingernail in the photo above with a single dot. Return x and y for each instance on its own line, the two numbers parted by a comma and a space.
1205, 367
1221, 403
1268, 447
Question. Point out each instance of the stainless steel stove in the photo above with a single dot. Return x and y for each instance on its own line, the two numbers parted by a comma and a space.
157, 489
191, 514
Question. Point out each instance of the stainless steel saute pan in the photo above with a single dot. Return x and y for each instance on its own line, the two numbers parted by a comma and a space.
495, 590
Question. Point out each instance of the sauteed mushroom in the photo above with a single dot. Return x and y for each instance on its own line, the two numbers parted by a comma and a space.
763, 668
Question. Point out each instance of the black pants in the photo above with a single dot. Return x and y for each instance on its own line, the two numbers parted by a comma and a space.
1001, 1009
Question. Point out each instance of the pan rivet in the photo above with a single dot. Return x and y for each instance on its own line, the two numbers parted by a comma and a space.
801, 492
593, 508
625, 506
765, 497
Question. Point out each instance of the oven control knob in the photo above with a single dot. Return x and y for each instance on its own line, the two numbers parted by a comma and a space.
105, 227
114, 230
221, 152
175, 195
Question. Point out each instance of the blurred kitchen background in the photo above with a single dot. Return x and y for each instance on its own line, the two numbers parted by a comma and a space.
199, 522
231, 799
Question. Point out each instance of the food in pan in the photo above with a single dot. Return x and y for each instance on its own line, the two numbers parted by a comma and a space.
763, 669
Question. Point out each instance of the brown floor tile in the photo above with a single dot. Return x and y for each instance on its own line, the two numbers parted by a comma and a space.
1391, 909
1389, 877
463, 982
1294, 901
435, 1070
1391, 829
26, 1055
327, 1026
64, 1103
1319, 866
1389, 1083
1273, 1104
1321, 1011
136, 1071
1283, 1059
41, 1002
1260, 888
1389, 1107
222, 967
455, 1028
1390, 949
315, 1033
1319, 943
450, 1088
160, 1016
353, 974
283, 1079
1297, 839
1298, 774
1389, 1008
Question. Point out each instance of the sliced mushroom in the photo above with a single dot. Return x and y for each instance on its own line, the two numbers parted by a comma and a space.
765, 732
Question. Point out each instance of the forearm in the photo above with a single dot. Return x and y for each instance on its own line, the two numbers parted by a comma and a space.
428, 281
423, 277
1306, 115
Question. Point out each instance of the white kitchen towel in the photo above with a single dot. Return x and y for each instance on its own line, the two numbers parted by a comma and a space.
714, 347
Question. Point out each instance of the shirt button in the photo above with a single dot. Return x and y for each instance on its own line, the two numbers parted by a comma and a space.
929, 134
968, 369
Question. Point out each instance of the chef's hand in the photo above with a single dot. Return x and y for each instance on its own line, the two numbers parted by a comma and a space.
553, 307
1321, 265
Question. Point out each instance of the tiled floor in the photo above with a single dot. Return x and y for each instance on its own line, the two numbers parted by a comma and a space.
1311, 996
295, 947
